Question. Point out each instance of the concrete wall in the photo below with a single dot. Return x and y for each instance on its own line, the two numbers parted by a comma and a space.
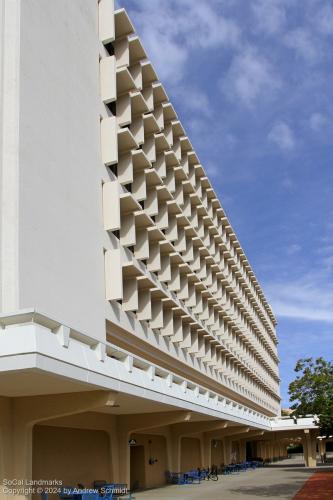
61, 259
71, 455
190, 454
1, 126
59, 265
9, 104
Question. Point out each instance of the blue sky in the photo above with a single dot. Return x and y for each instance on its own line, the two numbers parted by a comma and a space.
252, 82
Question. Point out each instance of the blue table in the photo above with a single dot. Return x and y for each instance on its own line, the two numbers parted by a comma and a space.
69, 493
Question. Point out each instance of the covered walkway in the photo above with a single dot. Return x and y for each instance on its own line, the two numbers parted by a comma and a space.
281, 481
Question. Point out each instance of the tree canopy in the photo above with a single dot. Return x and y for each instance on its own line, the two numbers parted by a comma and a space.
312, 391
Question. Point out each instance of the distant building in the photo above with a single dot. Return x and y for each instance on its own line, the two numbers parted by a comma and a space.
285, 412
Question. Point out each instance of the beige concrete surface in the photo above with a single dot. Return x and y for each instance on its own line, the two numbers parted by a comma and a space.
279, 481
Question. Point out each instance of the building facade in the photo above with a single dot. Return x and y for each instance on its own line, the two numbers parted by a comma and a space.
129, 311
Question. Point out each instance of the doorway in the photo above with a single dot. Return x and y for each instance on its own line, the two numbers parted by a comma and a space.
138, 480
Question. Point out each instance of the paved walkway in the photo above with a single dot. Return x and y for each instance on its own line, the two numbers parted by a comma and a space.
280, 481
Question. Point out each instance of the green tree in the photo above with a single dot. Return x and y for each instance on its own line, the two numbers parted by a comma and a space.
312, 391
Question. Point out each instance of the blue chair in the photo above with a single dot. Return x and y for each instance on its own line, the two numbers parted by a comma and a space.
193, 476
175, 477
226, 470
91, 496
116, 490
233, 468
203, 473
67, 493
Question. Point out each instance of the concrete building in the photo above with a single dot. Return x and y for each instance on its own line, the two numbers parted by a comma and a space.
129, 311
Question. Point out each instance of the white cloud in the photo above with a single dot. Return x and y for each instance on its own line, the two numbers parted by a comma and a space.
170, 65
304, 44
325, 248
327, 262
213, 170
325, 255
324, 20
282, 135
287, 183
193, 99
310, 298
172, 29
210, 28
270, 16
317, 121
230, 140
250, 77
293, 248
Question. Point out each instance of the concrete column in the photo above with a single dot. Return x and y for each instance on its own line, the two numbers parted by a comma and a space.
123, 471
242, 450
309, 448
174, 444
265, 450
227, 451
114, 451
275, 450
16, 458
22, 451
271, 450
167, 435
268, 450
15, 449
321, 446
305, 450
206, 450
259, 449
6, 436
5, 442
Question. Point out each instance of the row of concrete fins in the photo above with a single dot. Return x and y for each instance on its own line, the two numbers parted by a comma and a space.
164, 207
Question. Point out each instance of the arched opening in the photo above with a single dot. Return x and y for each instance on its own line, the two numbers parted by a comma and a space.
71, 455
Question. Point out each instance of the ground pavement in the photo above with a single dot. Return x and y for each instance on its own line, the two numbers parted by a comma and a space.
280, 481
